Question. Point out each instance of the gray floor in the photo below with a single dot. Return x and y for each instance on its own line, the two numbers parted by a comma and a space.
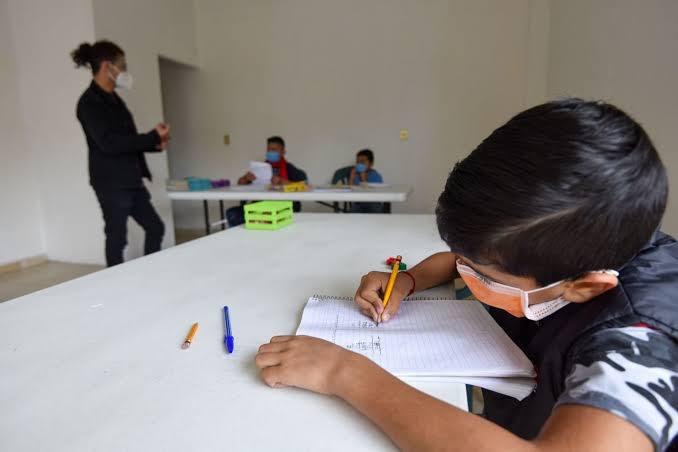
17, 283
186, 235
22, 282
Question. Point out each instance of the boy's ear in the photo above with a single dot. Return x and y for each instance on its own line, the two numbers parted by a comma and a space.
589, 286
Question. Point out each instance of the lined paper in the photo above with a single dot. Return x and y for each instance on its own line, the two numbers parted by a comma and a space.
426, 338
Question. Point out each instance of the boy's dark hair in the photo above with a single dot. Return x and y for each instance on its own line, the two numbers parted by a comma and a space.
367, 153
93, 55
561, 189
276, 139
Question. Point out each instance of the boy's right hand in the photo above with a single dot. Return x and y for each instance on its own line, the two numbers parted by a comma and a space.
369, 295
248, 178
351, 177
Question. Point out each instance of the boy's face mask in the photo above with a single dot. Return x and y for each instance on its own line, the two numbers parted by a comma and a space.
534, 304
272, 156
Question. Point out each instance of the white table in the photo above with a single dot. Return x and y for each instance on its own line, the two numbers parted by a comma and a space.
385, 194
95, 364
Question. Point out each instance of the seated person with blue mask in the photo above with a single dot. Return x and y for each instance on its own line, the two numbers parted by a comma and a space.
283, 173
363, 172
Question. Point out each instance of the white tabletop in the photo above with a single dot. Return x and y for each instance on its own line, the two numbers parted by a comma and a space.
386, 193
95, 364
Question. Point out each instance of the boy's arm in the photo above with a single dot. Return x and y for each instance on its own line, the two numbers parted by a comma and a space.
295, 174
351, 177
416, 421
433, 271
437, 269
375, 177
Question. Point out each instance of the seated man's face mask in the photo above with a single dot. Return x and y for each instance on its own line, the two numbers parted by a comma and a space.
534, 304
272, 156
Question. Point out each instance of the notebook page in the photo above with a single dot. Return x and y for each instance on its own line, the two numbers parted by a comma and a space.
426, 338
518, 388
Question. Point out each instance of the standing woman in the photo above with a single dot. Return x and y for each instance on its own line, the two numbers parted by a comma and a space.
117, 164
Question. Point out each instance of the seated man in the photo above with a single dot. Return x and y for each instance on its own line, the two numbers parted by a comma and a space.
283, 173
363, 172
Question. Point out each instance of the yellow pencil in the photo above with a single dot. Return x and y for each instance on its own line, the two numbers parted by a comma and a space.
391, 279
189, 338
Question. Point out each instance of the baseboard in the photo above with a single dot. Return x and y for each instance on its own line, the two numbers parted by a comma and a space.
23, 263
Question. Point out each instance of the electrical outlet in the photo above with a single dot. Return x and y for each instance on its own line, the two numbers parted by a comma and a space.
404, 135
227, 139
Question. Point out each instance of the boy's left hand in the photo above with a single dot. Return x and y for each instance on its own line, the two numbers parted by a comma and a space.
277, 180
305, 362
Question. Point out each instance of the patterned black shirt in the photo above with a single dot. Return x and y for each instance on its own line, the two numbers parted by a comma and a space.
631, 372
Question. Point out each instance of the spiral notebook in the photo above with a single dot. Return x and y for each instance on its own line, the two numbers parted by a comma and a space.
429, 338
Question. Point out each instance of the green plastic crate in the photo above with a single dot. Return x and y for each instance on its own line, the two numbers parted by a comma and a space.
268, 215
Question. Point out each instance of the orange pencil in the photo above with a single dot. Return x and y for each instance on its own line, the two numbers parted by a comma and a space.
391, 280
189, 338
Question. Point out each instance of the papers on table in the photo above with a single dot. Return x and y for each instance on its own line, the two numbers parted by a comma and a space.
262, 171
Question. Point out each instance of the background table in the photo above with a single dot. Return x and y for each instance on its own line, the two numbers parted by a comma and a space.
385, 194
96, 364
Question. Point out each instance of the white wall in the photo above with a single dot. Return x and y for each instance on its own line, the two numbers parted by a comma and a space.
54, 211
625, 52
146, 30
21, 225
43, 33
333, 77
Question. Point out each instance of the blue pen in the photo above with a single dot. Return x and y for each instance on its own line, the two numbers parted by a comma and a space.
228, 338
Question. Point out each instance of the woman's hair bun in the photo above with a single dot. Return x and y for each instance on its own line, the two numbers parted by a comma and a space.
82, 56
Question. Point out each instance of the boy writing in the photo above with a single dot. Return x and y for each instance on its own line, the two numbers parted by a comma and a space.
552, 221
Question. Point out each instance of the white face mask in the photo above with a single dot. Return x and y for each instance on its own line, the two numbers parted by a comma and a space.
542, 310
123, 80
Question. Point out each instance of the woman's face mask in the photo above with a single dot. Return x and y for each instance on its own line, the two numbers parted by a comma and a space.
123, 79
534, 304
